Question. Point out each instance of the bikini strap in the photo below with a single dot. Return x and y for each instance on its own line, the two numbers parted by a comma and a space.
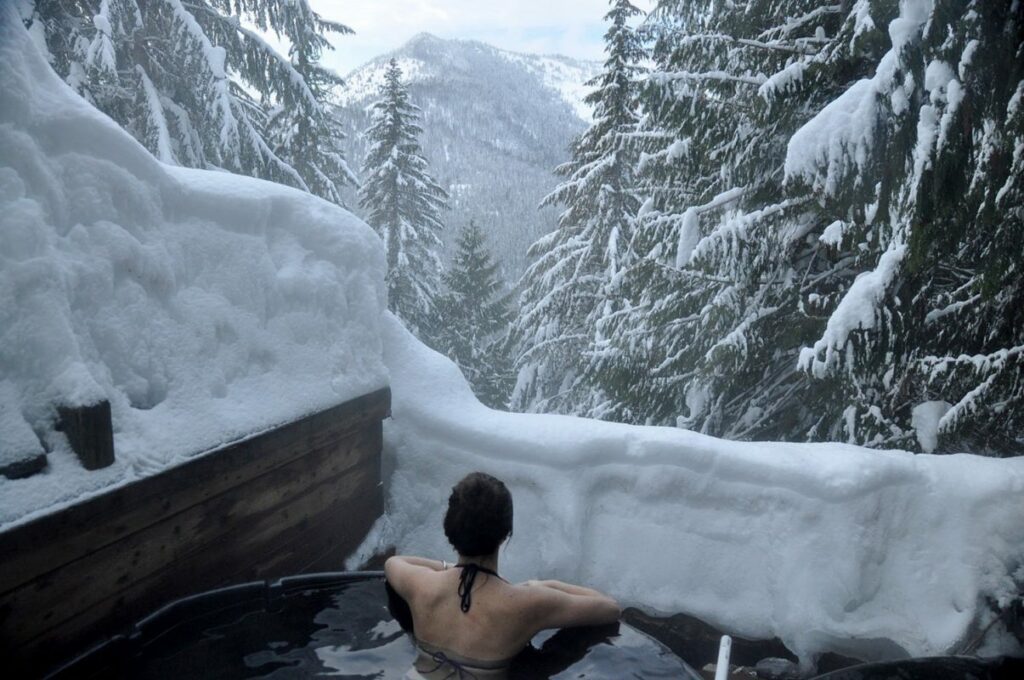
442, 659
466, 580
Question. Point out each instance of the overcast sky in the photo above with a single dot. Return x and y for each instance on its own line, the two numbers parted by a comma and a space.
570, 27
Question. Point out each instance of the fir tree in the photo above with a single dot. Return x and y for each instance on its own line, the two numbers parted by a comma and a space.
201, 89
569, 290
924, 348
721, 251
818, 255
475, 318
404, 204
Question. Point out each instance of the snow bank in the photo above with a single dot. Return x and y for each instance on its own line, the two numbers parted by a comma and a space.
828, 546
202, 305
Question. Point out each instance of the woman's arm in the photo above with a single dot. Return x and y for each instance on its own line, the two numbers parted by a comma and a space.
434, 565
568, 588
401, 571
559, 605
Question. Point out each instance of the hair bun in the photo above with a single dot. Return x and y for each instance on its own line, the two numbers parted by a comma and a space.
479, 515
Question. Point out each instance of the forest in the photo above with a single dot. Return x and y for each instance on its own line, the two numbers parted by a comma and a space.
793, 221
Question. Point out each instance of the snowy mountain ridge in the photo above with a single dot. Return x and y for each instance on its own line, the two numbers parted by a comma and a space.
564, 75
495, 126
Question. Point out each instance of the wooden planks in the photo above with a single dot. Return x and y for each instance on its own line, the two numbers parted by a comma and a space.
27, 550
298, 497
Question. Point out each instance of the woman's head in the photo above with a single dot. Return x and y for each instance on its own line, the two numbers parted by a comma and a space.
479, 515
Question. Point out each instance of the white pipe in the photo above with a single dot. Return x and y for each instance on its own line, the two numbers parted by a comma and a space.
724, 649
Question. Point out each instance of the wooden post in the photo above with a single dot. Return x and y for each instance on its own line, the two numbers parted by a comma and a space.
90, 433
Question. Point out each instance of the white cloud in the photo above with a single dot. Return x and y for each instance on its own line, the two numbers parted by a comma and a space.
570, 27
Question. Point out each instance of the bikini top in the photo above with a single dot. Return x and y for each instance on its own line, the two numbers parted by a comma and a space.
435, 662
466, 580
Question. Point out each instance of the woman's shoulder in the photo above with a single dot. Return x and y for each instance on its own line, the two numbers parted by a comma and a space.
411, 576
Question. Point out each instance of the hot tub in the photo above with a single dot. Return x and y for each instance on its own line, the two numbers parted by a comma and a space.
335, 624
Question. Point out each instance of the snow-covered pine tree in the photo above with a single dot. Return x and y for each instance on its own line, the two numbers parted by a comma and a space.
854, 214
570, 290
474, 314
722, 253
922, 166
196, 84
404, 204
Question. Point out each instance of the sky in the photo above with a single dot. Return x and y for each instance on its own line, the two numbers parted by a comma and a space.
573, 28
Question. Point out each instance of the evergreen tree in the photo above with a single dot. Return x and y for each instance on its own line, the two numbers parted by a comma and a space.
924, 348
569, 291
721, 251
403, 203
818, 253
199, 88
475, 318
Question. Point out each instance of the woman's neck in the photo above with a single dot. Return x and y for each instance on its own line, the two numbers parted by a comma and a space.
487, 561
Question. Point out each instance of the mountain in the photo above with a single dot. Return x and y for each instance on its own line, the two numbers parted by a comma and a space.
495, 125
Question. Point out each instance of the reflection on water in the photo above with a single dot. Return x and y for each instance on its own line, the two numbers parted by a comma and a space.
346, 632
331, 625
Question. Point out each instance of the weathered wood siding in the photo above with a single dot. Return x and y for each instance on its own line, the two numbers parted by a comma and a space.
298, 498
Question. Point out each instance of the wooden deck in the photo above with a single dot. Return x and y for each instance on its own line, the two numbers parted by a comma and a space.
298, 498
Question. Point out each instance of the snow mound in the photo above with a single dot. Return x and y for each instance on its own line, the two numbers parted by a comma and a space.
878, 554
204, 306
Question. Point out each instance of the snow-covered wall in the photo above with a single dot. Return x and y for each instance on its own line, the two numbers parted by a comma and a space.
877, 554
202, 305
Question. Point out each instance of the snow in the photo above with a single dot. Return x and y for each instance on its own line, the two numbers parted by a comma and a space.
101, 22
364, 84
204, 306
863, 22
857, 310
877, 554
944, 89
689, 237
966, 58
678, 149
208, 307
842, 129
100, 53
18, 439
837, 142
833, 234
925, 419
566, 77
156, 117
786, 80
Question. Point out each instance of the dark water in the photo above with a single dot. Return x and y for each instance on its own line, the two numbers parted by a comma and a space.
339, 625
938, 668
345, 631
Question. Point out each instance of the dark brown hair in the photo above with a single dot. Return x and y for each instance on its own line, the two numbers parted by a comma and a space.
479, 515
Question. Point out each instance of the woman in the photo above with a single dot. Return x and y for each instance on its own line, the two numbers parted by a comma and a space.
468, 621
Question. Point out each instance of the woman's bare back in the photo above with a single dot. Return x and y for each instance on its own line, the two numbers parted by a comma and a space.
498, 619
495, 627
